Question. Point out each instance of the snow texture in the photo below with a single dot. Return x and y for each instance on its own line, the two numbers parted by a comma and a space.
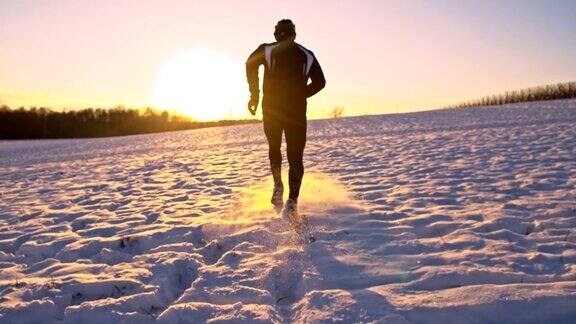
449, 216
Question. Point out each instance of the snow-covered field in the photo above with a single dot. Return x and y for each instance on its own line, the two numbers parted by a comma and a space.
453, 216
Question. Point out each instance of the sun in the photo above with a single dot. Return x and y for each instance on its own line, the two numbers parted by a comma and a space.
203, 83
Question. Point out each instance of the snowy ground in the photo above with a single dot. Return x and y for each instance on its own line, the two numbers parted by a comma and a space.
455, 216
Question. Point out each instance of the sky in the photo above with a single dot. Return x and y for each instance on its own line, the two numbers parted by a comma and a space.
378, 56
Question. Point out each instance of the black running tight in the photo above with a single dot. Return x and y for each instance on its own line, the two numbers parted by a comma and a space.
294, 128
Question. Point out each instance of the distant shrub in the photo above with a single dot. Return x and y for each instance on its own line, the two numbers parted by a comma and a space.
35, 122
565, 90
336, 112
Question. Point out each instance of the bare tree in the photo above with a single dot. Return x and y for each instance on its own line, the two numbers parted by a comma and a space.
337, 112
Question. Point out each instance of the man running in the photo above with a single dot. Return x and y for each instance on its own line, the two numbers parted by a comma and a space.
287, 68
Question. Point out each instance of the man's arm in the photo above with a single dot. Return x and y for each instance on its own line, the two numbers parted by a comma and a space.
318, 80
254, 61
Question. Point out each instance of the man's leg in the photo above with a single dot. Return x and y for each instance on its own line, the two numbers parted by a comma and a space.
273, 130
295, 130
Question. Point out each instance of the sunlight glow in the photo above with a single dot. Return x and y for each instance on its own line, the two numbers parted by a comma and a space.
203, 83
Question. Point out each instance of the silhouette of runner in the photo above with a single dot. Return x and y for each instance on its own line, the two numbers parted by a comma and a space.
287, 68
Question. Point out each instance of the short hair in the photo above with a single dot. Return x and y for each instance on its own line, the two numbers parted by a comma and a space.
284, 28
285, 22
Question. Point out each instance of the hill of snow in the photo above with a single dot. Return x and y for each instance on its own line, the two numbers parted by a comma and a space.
449, 216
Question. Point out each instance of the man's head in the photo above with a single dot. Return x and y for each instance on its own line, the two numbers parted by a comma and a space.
285, 30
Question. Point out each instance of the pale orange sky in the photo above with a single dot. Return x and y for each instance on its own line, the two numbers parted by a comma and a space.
378, 56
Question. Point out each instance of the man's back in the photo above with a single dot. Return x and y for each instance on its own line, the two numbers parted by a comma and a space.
287, 68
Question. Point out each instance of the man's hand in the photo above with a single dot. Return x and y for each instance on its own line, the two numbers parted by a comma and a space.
253, 104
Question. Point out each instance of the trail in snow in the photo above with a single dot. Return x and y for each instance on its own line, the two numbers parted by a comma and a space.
445, 216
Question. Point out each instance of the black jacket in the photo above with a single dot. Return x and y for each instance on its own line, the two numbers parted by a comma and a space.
287, 68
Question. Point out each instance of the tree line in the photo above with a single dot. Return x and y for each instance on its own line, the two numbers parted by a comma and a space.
38, 123
564, 90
